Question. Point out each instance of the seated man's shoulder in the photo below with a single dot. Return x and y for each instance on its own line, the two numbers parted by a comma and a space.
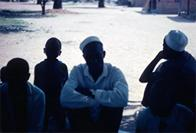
44, 65
113, 69
3, 87
34, 90
182, 110
40, 65
188, 57
80, 67
62, 65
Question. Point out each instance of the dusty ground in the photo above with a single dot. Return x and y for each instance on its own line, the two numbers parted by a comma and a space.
131, 39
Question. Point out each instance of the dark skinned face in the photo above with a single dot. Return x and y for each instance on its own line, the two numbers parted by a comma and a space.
52, 53
94, 55
17, 72
52, 48
169, 53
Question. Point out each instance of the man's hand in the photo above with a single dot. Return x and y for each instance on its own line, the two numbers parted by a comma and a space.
147, 74
85, 91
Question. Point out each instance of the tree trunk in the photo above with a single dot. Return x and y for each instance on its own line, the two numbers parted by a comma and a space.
101, 4
154, 4
43, 7
188, 7
39, 2
57, 4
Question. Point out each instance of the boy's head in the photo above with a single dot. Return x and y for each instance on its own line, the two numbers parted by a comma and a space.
17, 71
52, 48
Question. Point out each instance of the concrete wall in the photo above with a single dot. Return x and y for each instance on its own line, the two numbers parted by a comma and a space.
139, 3
167, 6
184, 6
174, 6
193, 6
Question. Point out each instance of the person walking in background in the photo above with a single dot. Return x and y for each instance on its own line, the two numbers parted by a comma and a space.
50, 76
179, 64
95, 92
22, 104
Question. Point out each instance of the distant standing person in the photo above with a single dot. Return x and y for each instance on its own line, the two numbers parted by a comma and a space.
95, 92
50, 76
179, 70
22, 104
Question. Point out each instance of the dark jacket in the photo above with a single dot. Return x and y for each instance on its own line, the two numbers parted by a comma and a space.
180, 75
50, 76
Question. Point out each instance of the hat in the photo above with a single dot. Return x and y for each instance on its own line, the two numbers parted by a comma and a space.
89, 40
176, 40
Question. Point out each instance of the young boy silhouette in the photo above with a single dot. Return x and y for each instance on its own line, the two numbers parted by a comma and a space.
50, 76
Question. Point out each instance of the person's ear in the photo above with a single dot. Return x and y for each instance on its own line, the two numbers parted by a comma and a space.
28, 76
84, 57
44, 50
104, 53
59, 53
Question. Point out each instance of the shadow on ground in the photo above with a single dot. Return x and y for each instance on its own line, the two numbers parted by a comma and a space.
13, 28
145, 13
8, 25
22, 14
10, 20
128, 121
181, 19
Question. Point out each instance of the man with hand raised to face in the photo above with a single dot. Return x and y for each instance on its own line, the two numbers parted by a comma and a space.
179, 71
95, 92
170, 93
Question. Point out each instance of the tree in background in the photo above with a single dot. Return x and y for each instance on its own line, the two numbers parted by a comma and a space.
57, 4
101, 4
39, 1
43, 4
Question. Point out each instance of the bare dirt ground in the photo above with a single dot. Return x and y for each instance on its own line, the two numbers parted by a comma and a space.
131, 39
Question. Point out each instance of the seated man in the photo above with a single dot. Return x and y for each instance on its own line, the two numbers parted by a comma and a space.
163, 114
95, 92
22, 104
179, 64
50, 76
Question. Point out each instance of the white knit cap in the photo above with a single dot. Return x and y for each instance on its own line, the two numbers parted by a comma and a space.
89, 40
176, 40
